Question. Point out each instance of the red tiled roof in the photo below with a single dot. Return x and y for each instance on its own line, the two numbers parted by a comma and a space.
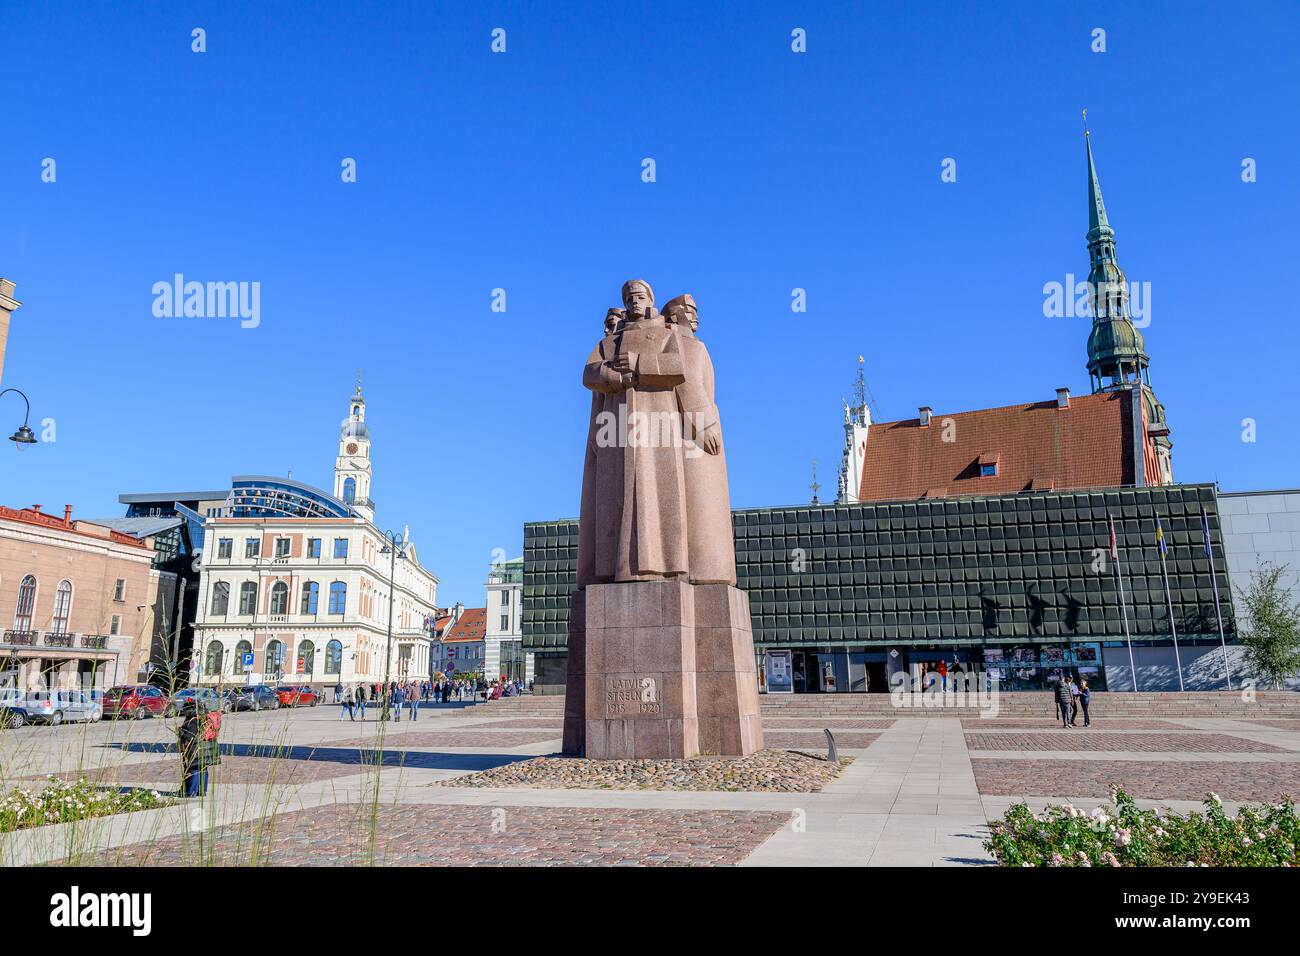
1088, 444
472, 626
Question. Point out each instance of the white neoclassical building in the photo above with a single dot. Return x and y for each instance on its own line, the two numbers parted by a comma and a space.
301, 580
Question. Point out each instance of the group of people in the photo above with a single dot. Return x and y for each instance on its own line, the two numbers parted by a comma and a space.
410, 694
1071, 697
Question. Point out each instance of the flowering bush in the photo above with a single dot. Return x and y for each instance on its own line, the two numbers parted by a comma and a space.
63, 802
1124, 835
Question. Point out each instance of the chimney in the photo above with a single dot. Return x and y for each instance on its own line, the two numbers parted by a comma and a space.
924, 414
7, 305
67, 514
1062, 398
36, 508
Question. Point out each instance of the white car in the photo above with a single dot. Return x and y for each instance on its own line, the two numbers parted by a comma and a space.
57, 706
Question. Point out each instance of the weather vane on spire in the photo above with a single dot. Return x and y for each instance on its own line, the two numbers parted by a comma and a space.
815, 486
1085, 121
358, 381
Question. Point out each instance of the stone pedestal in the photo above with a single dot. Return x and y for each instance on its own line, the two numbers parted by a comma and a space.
661, 669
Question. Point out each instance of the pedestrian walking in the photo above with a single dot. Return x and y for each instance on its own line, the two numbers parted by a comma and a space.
1074, 701
198, 743
361, 700
1063, 699
1085, 698
347, 704
399, 698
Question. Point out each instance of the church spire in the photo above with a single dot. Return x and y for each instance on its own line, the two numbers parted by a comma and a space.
1097, 222
1117, 356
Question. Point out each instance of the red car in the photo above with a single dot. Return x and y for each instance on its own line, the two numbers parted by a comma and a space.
136, 701
293, 696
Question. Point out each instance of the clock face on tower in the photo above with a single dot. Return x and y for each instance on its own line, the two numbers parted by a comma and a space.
352, 448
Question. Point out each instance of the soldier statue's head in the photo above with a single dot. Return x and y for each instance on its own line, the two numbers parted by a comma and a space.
682, 312
613, 319
638, 299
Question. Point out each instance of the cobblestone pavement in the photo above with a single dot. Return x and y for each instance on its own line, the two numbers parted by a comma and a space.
1080, 739
432, 835
918, 792
836, 724
1182, 780
165, 774
814, 739
1031, 723
485, 739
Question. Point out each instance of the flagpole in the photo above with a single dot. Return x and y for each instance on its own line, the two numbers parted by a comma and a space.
1169, 601
1123, 609
1214, 580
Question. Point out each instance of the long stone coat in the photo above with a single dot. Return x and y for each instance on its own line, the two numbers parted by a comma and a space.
633, 524
711, 545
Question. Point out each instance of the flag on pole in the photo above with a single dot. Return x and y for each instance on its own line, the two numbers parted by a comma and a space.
1160, 537
1114, 551
1205, 533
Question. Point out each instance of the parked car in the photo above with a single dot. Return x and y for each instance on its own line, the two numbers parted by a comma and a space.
295, 696
136, 701
56, 706
253, 697
13, 712
203, 696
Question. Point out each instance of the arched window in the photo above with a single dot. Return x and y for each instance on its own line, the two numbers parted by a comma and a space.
349, 490
334, 657
274, 658
221, 598
279, 598
242, 648
26, 602
307, 654
310, 597
62, 608
248, 598
212, 664
338, 597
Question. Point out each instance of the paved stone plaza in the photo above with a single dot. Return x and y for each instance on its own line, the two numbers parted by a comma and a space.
304, 788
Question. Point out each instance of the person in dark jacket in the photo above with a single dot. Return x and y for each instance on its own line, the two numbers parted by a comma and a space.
1064, 700
199, 747
1085, 698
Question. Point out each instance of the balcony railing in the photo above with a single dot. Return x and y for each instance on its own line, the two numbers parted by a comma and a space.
49, 639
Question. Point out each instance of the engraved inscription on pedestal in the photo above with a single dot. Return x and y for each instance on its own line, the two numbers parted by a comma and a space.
632, 697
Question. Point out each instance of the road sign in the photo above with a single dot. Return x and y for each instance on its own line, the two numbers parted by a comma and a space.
302, 664
248, 659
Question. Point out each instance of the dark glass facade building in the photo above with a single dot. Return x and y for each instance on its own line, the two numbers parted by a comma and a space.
1019, 585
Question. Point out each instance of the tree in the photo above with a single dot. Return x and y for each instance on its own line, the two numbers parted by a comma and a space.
1271, 640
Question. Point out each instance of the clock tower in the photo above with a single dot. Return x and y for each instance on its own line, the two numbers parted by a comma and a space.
352, 467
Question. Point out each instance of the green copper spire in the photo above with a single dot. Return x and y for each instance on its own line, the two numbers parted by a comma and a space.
1097, 222
1116, 351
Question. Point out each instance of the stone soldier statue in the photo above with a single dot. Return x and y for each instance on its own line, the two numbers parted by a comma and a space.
710, 542
633, 524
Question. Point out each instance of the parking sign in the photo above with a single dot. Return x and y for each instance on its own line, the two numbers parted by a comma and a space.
248, 659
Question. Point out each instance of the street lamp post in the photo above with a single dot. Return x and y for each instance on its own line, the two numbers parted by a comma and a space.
395, 548
23, 436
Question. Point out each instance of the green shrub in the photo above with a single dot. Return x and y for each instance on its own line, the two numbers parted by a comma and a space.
64, 802
1124, 835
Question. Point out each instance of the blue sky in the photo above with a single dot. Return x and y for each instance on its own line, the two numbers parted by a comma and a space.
522, 171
